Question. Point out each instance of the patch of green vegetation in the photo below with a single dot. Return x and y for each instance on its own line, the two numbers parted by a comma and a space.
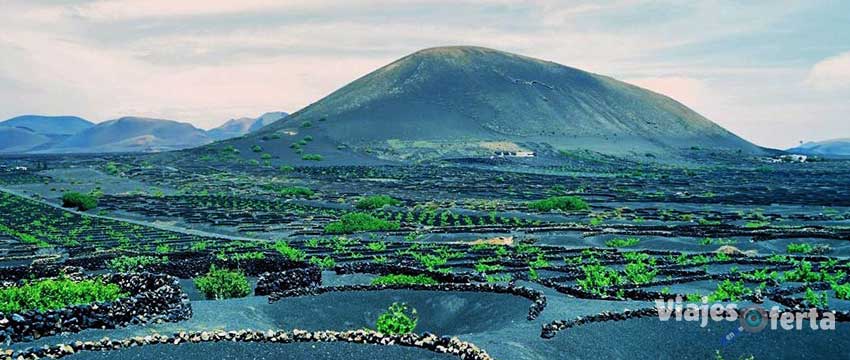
377, 246
760, 275
355, 222
693, 298
312, 157
480, 247
399, 319
778, 258
483, 266
430, 261
401, 279
710, 241
324, 263
815, 299
621, 243
728, 290
498, 278
539, 262
597, 278
54, 294
24, 237
799, 248
376, 202
77, 200
223, 284
125, 263
756, 224
527, 249
251, 255
634, 256
563, 203
638, 272
199, 246
802, 272
296, 191
842, 291
289, 252
286, 168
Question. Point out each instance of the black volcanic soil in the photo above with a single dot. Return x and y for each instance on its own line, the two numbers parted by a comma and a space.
255, 351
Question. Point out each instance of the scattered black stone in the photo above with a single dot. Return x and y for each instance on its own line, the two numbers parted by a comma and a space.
15, 274
188, 265
551, 329
286, 280
390, 269
445, 345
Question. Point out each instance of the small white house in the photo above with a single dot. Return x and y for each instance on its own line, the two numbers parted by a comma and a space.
794, 158
523, 154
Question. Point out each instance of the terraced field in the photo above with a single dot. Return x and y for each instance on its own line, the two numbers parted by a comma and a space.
484, 260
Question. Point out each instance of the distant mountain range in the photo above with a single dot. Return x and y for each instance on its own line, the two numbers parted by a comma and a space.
826, 148
71, 134
49, 125
238, 127
462, 101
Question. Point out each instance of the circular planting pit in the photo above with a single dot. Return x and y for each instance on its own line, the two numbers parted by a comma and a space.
440, 312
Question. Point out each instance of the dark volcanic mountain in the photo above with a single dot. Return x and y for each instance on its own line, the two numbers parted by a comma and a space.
49, 125
238, 127
827, 148
19, 139
133, 134
470, 101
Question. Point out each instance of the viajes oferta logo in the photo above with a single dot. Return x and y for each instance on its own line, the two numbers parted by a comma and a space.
752, 318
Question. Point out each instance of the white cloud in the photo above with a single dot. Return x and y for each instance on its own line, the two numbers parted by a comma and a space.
207, 61
689, 91
831, 73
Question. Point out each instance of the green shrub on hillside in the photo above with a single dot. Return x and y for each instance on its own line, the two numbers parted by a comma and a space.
376, 202
800, 248
620, 243
296, 191
597, 278
80, 201
564, 203
223, 284
728, 290
312, 157
289, 252
323, 263
354, 222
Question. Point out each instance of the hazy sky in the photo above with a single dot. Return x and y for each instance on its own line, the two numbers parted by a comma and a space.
773, 72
